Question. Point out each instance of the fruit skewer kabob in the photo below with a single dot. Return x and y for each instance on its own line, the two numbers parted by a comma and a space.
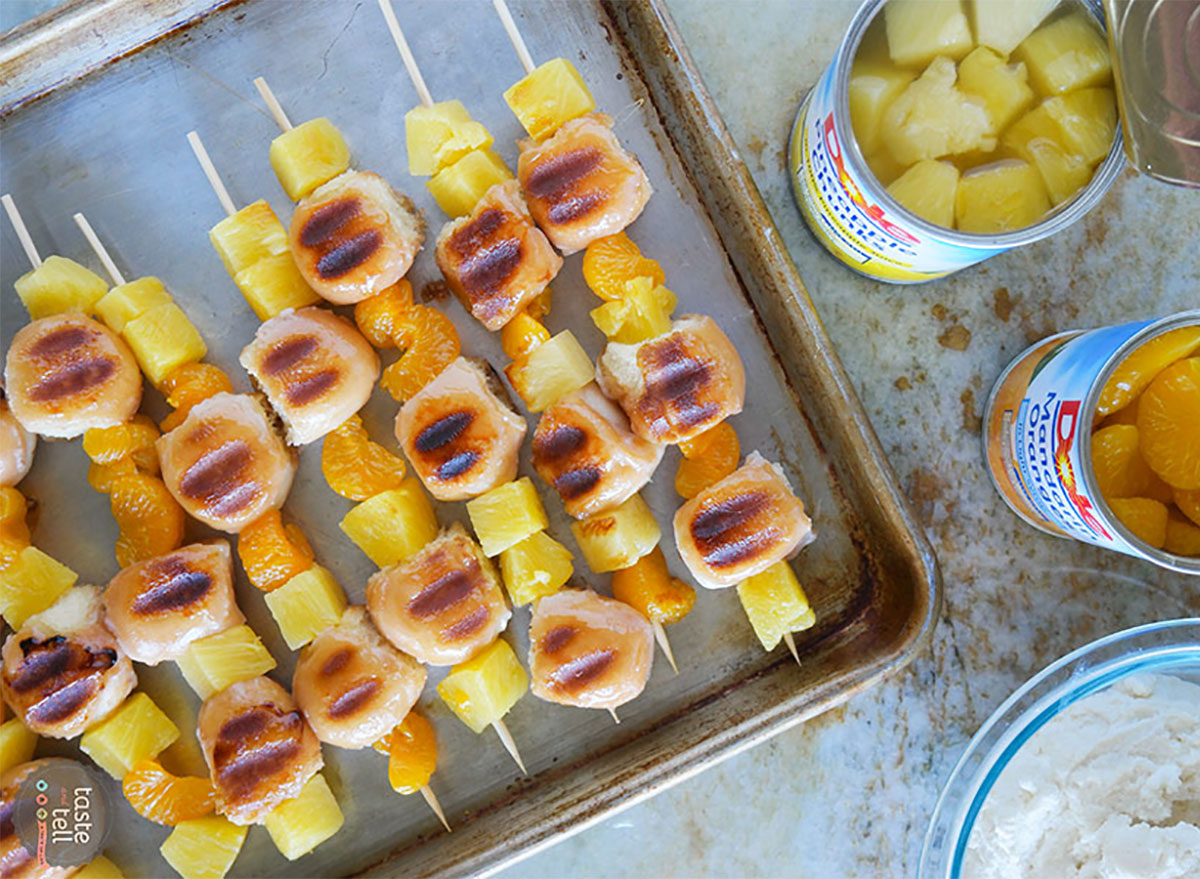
661, 372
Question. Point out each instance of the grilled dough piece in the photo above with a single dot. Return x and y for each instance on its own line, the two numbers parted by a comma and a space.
16, 861
580, 184
495, 259
225, 464
584, 448
354, 236
64, 671
444, 604
66, 373
352, 685
677, 385
742, 525
16, 445
460, 436
259, 749
315, 368
587, 650
158, 607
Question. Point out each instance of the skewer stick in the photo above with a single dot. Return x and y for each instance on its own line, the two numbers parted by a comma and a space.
210, 171
99, 249
791, 644
613, 712
660, 635
514, 35
406, 55
509, 745
432, 800
14, 215
272, 103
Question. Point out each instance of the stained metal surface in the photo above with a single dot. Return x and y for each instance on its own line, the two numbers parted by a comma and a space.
112, 145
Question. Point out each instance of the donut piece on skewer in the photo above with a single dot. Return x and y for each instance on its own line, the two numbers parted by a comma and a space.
17, 445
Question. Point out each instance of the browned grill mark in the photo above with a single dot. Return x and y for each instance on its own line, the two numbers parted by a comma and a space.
337, 660
350, 254
61, 341
484, 274
73, 378
457, 465
468, 625
219, 479
577, 482
62, 676
468, 238
675, 382
253, 747
558, 442
557, 638
573, 207
727, 532
445, 592
286, 354
353, 699
249, 723
173, 587
64, 702
553, 176
444, 431
327, 220
304, 391
582, 670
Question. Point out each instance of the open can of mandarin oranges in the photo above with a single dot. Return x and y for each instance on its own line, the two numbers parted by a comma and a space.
841, 177
1095, 434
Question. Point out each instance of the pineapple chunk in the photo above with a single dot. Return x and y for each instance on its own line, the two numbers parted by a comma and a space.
457, 188
138, 730
933, 118
274, 284
481, 690
927, 189
506, 515
299, 825
57, 285
1000, 197
1002, 25
393, 524
16, 744
1067, 54
642, 313
874, 84
440, 135
1004, 88
552, 369
308, 155
125, 302
884, 167
99, 867
203, 848
920, 30
32, 583
1087, 122
547, 97
775, 604
305, 605
211, 664
1035, 137
616, 539
252, 234
162, 340
538, 565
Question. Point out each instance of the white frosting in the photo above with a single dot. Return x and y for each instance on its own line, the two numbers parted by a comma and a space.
1107, 789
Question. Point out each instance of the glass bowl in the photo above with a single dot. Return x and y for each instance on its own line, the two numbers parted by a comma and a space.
1171, 647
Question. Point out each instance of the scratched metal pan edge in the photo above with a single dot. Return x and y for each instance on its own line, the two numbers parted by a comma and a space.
893, 586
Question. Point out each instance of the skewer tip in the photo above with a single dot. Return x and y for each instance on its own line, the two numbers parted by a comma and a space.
514, 35
14, 215
436, 807
660, 635
509, 745
791, 645
613, 712
98, 248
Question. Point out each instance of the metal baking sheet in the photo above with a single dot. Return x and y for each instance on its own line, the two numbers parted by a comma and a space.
98, 125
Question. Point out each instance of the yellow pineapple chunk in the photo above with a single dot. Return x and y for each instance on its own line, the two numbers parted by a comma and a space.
16, 744
57, 285
552, 369
299, 825
99, 867
211, 664
274, 284
203, 848
642, 313
138, 730
538, 565
1066, 54
306, 605
506, 515
874, 83
932, 118
550, 95
920, 30
162, 340
1087, 122
1004, 88
1000, 197
125, 302
253, 233
481, 690
775, 604
616, 539
393, 524
32, 583
1002, 25
927, 189
457, 188
1035, 137
884, 167
312, 153
440, 135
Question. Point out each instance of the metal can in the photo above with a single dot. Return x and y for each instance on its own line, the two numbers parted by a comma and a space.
1037, 428
853, 216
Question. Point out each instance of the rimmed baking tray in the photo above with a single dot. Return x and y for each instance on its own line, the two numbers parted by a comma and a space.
97, 100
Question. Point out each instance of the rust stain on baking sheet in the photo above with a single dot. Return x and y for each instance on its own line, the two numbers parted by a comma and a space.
956, 338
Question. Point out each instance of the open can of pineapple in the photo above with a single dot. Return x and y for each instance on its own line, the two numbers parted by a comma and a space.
945, 132
1095, 435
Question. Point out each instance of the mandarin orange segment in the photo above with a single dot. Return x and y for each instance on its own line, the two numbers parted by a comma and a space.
102, 476
1145, 517
381, 316
271, 552
1136, 371
431, 344
150, 519
354, 466
539, 306
648, 587
134, 439
412, 754
707, 459
1188, 503
521, 335
1169, 424
190, 384
1183, 537
610, 262
168, 799
1119, 467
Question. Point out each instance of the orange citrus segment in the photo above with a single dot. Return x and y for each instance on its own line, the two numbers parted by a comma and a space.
273, 553
134, 439
521, 335
1146, 518
188, 385
1169, 424
150, 519
379, 317
610, 262
168, 799
1137, 370
102, 476
1119, 467
412, 754
1183, 537
1188, 503
707, 459
648, 588
539, 306
354, 466
431, 344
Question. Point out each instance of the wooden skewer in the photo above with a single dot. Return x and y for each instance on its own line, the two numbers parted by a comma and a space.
432, 800
99, 249
273, 104
660, 635
791, 644
509, 745
613, 712
210, 171
406, 55
514, 35
14, 215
